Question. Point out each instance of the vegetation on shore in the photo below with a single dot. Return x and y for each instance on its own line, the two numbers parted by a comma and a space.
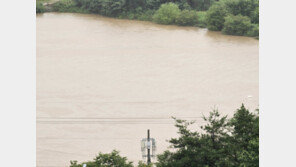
68, 6
40, 7
223, 142
232, 17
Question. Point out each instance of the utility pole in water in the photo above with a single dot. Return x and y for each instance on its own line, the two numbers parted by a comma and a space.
148, 147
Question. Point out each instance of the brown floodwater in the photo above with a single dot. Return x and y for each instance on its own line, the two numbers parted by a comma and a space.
102, 82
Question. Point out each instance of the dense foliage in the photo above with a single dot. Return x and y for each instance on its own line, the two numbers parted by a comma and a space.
227, 143
104, 7
242, 7
240, 25
118, 6
187, 18
226, 13
112, 159
216, 15
221, 142
65, 6
201, 17
237, 25
39, 7
167, 14
255, 16
105, 160
254, 31
133, 9
143, 164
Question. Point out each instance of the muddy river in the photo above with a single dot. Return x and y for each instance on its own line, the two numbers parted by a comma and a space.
102, 82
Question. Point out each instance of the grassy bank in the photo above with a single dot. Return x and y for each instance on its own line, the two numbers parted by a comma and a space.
232, 17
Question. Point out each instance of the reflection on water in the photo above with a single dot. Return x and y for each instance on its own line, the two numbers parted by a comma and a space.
102, 82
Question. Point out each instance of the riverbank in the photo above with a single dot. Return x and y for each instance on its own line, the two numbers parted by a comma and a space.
220, 16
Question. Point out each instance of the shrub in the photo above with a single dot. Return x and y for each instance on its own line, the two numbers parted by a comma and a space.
237, 25
183, 5
152, 4
111, 8
146, 16
111, 159
187, 18
143, 164
93, 6
66, 6
200, 5
243, 7
131, 16
253, 31
215, 17
40, 8
255, 16
167, 14
143, 15
117, 8
201, 17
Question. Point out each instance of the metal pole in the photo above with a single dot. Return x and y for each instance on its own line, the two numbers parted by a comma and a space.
148, 155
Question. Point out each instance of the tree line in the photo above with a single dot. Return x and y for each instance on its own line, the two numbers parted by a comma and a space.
233, 17
223, 142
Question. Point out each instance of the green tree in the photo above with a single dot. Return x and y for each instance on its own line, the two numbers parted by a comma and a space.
142, 164
200, 5
220, 142
201, 19
215, 17
224, 142
234, 17
105, 160
255, 16
215, 139
254, 31
187, 145
104, 7
237, 25
183, 5
187, 18
242, 7
67, 6
246, 126
167, 14
245, 138
195, 149
39, 7
153, 4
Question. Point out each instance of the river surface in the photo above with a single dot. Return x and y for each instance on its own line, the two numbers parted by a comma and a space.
102, 82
